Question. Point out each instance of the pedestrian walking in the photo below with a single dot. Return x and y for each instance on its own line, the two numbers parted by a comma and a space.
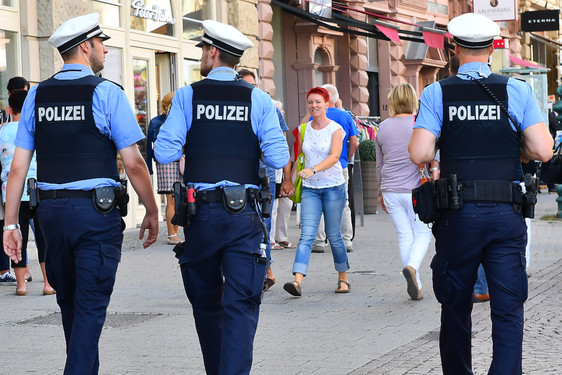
77, 122
482, 219
323, 191
223, 124
397, 176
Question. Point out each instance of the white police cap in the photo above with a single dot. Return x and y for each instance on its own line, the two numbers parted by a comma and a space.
225, 37
77, 30
471, 30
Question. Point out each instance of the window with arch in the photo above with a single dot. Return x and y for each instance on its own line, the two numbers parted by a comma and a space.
318, 75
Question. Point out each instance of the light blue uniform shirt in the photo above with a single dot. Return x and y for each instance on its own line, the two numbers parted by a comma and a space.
113, 116
265, 124
521, 102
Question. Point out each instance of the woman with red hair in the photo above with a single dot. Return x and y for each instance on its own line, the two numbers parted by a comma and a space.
323, 191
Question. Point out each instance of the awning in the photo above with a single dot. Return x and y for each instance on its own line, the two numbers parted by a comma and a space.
519, 61
544, 39
377, 29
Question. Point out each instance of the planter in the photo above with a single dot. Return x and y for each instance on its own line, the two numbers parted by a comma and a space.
370, 186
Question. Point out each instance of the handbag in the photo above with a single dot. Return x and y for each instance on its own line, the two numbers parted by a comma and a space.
555, 167
424, 177
297, 181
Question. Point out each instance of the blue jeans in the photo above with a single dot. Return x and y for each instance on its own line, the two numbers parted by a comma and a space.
481, 286
331, 202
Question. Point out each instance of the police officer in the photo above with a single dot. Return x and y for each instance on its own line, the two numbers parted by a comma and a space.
77, 122
223, 122
479, 143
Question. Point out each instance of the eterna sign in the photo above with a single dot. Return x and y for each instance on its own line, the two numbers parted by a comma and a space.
155, 14
540, 20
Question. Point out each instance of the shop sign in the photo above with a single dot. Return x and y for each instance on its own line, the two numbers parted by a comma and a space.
155, 14
540, 20
497, 10
499, 43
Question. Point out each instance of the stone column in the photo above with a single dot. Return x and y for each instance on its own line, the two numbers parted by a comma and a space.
265, 47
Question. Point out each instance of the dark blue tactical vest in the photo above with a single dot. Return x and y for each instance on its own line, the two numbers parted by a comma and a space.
69, 145
221, 145
477, 141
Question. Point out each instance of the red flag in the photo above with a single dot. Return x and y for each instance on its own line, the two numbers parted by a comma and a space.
434, 40
390, 33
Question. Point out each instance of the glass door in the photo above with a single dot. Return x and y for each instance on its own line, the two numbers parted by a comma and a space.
141, 78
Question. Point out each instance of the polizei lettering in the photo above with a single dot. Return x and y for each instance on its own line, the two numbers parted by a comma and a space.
61, 113
222, 112
474, 112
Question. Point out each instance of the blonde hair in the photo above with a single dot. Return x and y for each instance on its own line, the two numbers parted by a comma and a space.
166, 101
403, 99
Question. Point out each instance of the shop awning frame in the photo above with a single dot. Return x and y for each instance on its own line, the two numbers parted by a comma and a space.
553, 43
349, 25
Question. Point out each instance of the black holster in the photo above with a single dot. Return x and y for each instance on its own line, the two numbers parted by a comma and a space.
180, 204
33, 193
122, 198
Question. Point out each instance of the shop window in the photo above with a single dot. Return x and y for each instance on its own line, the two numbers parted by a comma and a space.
153, 16
193, 13
112, 67
141, 109
8, 63
108, 11
538, 52
191, 71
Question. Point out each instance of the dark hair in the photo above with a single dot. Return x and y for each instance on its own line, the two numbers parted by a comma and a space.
16, 100
17, 83
320, 91
246, 72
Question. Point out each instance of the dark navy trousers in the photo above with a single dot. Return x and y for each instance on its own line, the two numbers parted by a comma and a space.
494, 235
83, 251
223, 273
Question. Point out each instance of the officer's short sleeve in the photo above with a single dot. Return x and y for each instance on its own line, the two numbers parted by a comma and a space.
523, 104
430, 114
114, 116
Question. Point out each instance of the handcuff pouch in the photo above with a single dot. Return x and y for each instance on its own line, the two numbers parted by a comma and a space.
234, 198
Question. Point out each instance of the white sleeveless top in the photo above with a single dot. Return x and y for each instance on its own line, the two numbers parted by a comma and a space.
316, 148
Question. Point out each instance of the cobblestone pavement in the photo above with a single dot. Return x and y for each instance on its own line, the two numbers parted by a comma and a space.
375, 329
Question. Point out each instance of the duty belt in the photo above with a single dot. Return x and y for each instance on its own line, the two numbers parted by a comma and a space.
57, 194
216, 195
491, 191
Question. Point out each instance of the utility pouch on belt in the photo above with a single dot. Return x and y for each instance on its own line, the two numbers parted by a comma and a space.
104, 199
234, 198
180, 198
424, 202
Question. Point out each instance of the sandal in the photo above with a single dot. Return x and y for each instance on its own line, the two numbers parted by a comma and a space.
275, 246
268, 283
170, 242
339, 288
293, 288
287, 245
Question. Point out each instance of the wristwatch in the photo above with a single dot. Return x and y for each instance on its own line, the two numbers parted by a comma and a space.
313, 170
6, 228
